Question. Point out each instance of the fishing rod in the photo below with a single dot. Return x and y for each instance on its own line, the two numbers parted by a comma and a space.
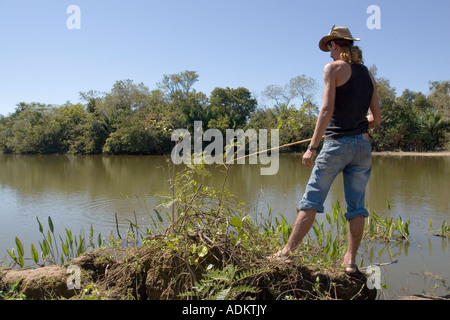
275, 148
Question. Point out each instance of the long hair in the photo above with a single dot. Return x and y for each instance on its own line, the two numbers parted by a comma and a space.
350, 53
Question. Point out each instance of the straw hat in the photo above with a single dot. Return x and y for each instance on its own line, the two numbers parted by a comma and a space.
336, 33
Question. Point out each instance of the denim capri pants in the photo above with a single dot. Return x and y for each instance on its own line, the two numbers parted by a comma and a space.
350, 155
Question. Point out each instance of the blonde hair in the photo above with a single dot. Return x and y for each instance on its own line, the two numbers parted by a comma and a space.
350, 53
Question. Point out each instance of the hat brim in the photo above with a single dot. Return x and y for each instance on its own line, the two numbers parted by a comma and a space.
323, 42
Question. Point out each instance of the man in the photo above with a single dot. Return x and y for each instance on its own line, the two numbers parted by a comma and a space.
350, 107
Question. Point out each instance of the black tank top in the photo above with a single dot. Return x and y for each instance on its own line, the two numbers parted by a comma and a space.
351, 105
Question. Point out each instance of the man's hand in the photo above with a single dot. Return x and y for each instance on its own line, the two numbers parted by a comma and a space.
308, 158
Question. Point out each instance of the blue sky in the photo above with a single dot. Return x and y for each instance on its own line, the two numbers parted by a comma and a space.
230, 43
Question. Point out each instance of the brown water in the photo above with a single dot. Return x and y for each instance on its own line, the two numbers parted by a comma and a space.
79, 191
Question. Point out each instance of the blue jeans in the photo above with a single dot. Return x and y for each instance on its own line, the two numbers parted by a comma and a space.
353, 157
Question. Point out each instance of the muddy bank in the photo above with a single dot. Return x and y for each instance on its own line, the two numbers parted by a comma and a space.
412, 154
148, 274
425, 297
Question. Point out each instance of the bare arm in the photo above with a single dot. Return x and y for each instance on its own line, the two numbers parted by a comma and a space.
374, 116
325, 113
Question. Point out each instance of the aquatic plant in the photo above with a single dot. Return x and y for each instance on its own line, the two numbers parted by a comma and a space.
387, 229
71, 246
443, 231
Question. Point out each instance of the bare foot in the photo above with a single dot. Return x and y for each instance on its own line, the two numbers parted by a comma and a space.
281, 257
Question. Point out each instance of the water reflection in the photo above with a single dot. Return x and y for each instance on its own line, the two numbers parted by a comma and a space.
377, 251
416, 188
93, 175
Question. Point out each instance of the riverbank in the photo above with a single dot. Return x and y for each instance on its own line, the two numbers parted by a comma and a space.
158, 273
412, 154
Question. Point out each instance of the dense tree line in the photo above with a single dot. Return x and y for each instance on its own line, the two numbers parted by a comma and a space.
132, 119
412, 121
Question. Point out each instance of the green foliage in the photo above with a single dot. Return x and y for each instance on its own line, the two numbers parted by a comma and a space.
12, 292
439, 97
294, 122
387, 229
225, 284
131, 135
327, 243
133, 119
412, 122
443, 231
19, 259
230, 108
433, 129
71, 246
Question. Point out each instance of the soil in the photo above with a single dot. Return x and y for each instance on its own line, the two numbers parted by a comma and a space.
145, 274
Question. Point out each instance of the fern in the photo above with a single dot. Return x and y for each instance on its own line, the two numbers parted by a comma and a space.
223, 284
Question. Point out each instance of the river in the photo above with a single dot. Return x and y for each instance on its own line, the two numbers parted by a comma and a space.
80, 191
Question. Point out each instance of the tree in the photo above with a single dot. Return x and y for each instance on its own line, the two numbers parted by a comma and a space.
125, 95
186, 104
280, 95
66, 124
178, 86
294, 123
386, 136
91, 97
195, 108
409, 122
26, 132
439, 98
433, 130
230, 108
132, 119
301, 87
136, 134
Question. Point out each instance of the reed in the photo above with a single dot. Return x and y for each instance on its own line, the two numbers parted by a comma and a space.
326, 243
71, 246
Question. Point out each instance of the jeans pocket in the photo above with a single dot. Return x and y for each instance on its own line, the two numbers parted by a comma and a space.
365, 149
333, 153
